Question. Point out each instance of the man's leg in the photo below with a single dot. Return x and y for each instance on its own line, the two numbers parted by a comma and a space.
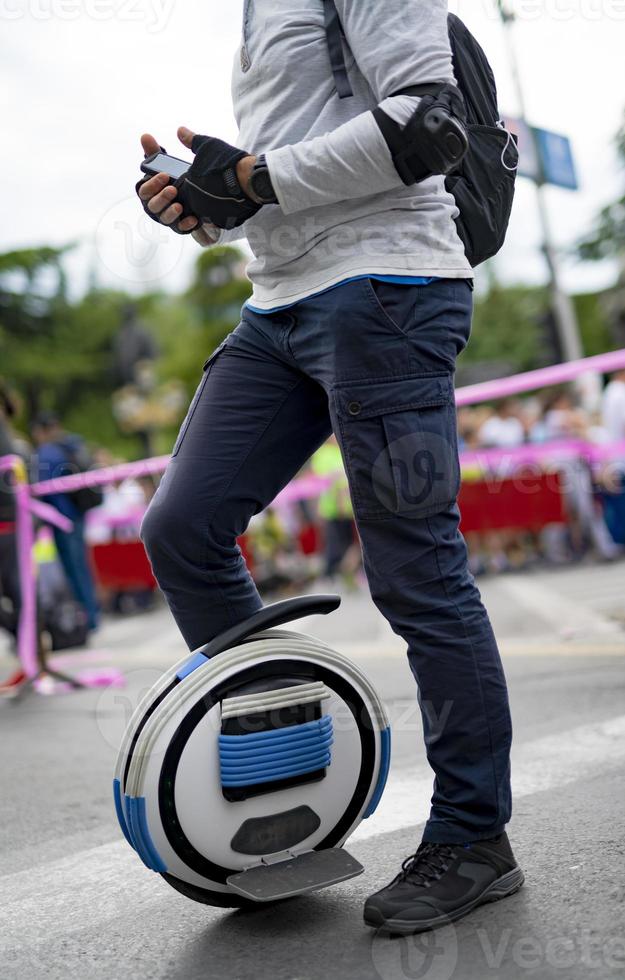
254, 422
9, 584
387, 355
72, 551
339, 534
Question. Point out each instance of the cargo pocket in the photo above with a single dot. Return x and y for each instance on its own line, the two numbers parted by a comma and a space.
196, 398
400, 444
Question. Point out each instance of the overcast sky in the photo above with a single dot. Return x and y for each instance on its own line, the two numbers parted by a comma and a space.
80, 81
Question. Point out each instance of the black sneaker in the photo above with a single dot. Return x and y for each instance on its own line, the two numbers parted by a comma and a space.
443, 882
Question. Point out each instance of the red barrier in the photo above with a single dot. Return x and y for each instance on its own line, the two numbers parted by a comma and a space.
508, 505
123, 566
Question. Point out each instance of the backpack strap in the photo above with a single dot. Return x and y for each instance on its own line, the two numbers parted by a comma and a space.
336, 36
336, 39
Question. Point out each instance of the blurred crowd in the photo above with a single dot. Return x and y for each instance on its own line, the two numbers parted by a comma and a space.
305, 541
593, 497
554, 415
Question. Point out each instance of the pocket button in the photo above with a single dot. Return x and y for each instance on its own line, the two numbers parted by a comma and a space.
354, 408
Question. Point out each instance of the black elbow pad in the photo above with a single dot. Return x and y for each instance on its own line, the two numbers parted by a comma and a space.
434, 141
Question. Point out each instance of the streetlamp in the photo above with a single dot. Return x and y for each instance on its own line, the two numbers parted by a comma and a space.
561, 303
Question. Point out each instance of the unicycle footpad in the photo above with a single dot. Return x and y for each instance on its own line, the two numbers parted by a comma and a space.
296, 875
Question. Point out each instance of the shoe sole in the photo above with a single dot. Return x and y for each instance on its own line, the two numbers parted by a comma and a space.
502, 887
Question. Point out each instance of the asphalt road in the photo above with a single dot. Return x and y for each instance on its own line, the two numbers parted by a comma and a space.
75, 902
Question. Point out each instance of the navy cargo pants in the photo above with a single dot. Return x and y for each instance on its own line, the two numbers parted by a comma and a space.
374, 362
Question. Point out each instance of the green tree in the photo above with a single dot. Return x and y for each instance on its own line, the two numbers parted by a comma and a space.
60, 354
33, 303
607, 240
506, 327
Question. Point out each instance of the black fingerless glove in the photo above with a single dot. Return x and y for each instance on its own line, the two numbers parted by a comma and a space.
210, 189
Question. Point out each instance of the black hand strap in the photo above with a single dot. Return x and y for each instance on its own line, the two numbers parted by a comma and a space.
420, 90
335, 34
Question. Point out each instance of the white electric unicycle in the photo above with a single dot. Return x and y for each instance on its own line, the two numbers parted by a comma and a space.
248, 765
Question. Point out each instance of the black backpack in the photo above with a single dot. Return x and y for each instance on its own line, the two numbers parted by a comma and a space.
483, 186
80, 461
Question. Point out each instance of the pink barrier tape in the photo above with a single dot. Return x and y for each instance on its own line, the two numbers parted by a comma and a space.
101, 477
102, 677
544, 378
112, 677
27, 633
548, 453
304, 489
116, 521
8, 463
50, 515
27, 629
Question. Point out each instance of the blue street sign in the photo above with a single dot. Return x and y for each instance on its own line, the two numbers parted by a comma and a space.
557, 161
544, 157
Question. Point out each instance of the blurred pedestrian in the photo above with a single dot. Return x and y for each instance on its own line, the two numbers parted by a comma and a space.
564, 419
60, 454
9, 570
504, 429
614, 407
342, 552
613, 416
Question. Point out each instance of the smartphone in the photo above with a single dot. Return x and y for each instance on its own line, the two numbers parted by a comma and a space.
162, 163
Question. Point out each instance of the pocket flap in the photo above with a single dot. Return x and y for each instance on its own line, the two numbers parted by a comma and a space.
361, 400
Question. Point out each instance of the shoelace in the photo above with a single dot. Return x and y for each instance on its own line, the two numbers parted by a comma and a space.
427, 864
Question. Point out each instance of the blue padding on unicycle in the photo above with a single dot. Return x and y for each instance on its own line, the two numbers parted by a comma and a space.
126, 812
280, 753
192, 664
119, 810
385, 764
144, 845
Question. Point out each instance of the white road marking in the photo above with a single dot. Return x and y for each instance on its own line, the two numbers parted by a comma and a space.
89, 888
83, 890
566, 615
538, 765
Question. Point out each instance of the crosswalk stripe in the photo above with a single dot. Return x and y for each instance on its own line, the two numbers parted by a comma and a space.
99, 884
538, 765
560, 612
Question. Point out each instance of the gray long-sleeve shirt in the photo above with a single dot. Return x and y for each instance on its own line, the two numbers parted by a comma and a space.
343, 209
